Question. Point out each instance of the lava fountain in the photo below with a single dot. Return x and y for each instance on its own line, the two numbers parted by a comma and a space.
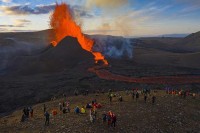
62, 23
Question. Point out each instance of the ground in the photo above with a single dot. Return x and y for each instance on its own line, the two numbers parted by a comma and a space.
170, 114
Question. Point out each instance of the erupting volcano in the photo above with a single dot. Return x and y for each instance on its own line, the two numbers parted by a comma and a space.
63, 25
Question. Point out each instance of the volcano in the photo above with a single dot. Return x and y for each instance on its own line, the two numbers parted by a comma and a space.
66, 55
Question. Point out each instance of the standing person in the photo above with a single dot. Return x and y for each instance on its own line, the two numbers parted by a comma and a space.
137, 96
109, 118
60, 106
44, 108
114, 119
31, 112
133, 95
46, 114
68, 107
110, 97
24, 111
63, 104
184, 94
145, 98
104, 117
27, 112
91, 116
153, 99
120, 98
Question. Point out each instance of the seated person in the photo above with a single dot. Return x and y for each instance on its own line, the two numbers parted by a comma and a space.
88, 106
83, 111
77, 110
54, 112
98, 105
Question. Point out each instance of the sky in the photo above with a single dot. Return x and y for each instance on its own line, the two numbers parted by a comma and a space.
110, 17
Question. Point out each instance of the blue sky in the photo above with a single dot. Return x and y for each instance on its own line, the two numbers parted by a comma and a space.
113, 17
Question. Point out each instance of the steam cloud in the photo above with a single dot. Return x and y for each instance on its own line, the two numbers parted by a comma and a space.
114, 47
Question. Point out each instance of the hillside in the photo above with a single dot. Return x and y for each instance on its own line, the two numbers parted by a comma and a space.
66, 55
169, 114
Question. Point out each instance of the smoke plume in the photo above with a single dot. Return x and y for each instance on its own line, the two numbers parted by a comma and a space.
114, 47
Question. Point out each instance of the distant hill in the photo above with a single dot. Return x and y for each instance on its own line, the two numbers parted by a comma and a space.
175, 35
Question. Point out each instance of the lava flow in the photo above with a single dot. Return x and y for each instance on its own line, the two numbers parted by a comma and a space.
170, 80
63, 25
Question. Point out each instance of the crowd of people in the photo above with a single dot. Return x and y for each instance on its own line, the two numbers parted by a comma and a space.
27, 113
91, 107
180, 92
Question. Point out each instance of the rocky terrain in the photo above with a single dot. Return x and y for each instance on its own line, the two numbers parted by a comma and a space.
31, 66
170, 113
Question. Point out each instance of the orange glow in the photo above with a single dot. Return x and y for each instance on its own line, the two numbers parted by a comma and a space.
63, 25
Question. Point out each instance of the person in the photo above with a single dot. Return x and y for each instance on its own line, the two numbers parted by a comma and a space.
94, 112
47, 118
133, 95
77, 110
184, 94
109, 118
44, 108
193, 95
88, 106
31, 112
145, 98
92, 115
63, 104
67, 107
114, 119
23, 118
54, 112
104, 117
27, 112
64, 96
64, 110
76, 92
120, 99
60, 106
110, 97
137, 96
153, 99
83, 111
24, 111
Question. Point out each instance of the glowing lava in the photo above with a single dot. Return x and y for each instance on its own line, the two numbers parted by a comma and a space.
63, 25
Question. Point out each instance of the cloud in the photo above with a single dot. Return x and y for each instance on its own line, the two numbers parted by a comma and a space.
17, 23
8, 26
189, 5
131, 22
6, 1
22, 22
112, 4
27, 9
